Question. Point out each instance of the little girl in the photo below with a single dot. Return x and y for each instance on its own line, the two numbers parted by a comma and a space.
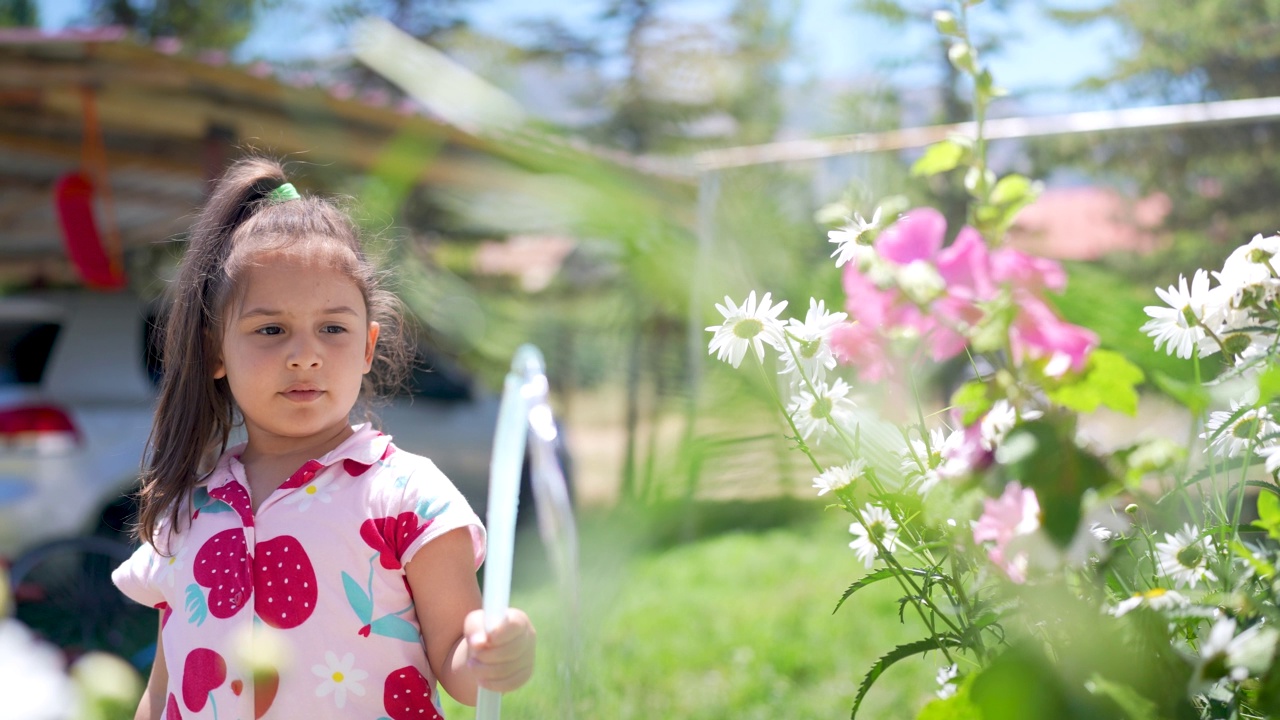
315, 571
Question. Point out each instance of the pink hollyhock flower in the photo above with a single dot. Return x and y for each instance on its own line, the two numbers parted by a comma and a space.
1027, 272
971, 275
918, 235
966, 266
1013, 514
1038, 332
863, 347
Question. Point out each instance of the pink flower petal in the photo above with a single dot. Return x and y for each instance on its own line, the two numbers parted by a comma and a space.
917, 236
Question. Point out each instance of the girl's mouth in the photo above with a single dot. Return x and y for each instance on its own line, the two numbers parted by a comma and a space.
302, 395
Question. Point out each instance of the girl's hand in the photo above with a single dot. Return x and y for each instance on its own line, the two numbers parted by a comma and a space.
502, 659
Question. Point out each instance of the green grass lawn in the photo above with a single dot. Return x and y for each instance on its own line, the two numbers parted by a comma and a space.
725, 614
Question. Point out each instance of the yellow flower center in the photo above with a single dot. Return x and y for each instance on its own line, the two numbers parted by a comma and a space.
1155, 593
337, 677
311, 489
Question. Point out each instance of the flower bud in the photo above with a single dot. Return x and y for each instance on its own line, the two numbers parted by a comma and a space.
1131, 509
946, 23
963, 57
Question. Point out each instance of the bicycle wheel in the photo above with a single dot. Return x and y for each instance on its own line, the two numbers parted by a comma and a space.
63, 592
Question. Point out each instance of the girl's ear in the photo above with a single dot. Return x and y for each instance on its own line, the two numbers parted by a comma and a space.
370, 345
215, 349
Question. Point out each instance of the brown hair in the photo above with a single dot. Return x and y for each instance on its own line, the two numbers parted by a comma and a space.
238, 226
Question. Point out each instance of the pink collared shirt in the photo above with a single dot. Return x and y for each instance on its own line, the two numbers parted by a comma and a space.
301, 609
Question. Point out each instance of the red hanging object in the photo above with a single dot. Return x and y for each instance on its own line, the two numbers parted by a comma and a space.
73, 201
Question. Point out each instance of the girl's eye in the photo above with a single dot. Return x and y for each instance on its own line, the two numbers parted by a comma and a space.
333, 329
270, 330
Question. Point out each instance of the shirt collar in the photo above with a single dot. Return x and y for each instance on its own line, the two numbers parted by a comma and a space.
365, 446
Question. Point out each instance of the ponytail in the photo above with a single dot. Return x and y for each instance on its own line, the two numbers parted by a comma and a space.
195, 413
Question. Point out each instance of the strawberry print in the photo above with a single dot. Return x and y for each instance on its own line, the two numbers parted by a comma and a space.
285, 582
203, 672
171, 711
407, 695
235, 495
390, 536
223, 565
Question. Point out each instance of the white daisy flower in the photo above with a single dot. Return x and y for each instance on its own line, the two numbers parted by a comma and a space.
997, 423
838, 476
920, 463
1243, 432
810, 342
819, 413
750, 325
1246, 275
1225, 654
945, 678
852, 240
340, 677
879, 525
1178, 324
1271, 453
320, 489
1155, 599
1183, 557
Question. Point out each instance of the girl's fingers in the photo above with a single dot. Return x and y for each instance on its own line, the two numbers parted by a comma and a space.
506, 682
509, 652
514, 627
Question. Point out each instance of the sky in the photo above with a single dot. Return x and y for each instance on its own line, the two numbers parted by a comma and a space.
1040, 63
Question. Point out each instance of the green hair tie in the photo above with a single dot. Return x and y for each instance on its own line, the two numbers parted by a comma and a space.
284, 193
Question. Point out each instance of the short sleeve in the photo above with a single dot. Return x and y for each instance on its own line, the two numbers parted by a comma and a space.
430, 495
136, 576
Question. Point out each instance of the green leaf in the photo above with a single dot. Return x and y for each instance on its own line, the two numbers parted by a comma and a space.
901, 652
1108, 379
939, 158
360, 601
876, 576
1269, 384
1269, 514
1131, 702
1260, 565
972, 400
1013, 189
393, 626
1217, 466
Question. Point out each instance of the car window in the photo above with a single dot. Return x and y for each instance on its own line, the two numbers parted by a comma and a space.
25, 347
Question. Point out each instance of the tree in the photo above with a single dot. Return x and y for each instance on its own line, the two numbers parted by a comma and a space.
204, 25
1222, 181
19, 13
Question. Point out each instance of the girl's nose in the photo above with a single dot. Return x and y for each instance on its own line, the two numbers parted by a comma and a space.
304, 354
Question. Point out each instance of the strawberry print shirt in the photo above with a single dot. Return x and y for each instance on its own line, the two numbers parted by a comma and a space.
302, 609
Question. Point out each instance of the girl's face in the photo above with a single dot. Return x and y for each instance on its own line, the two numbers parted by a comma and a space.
294, 351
